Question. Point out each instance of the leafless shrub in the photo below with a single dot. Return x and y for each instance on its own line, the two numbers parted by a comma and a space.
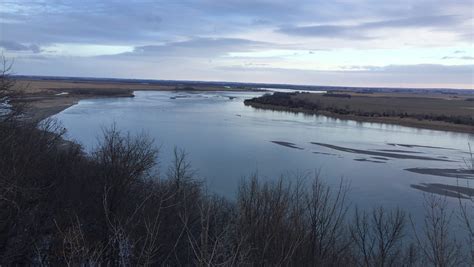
466, 216
378, 237
124, 158
33, 165
11, 106
6, 82
436, 243
287, 224
466, 210
216, 245
75, 248
326, 211
267, 221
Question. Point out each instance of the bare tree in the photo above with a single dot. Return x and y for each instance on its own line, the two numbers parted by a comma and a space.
11, 105
284, 223
265, 218
326, 211
466, 215
123, 161
436, 243
378, 237
466, 209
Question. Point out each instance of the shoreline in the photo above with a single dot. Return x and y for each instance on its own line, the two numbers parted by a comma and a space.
405, 122
45, 98
42, 106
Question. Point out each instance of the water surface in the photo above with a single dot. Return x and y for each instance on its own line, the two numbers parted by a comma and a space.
226, 141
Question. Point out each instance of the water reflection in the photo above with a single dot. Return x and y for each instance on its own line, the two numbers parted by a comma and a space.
226, 140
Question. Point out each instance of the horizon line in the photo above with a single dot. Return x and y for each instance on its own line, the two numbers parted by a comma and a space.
264, 85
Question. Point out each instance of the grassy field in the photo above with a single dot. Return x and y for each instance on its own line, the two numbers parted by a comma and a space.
453, 112
53, 86
389, 103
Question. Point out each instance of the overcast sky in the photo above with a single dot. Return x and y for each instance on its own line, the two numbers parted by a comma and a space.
392, 43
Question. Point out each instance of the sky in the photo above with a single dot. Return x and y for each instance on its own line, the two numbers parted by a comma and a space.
369, 43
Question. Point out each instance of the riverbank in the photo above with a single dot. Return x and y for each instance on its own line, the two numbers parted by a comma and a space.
41, 105
45, 98
436, 112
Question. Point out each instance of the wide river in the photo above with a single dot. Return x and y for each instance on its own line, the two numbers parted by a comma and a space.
226, 141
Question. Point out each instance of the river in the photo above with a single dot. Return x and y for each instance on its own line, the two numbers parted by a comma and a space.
226, 141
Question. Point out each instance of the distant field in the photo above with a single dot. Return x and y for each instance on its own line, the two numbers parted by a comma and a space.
53, 86
435, 104
453, 112
52, 82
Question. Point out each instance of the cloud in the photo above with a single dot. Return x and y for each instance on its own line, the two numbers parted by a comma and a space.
17, 47
458, 54
141, 22
198, 47
463, 57
440, 21
428, 69
363, 30
431, 69
90, 22
328, 31
414, 76
194, 39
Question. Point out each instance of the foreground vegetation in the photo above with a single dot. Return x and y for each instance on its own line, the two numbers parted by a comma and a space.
61, 206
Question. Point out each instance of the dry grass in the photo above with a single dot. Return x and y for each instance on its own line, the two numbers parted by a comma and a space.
439, 112
413, 104
53, 86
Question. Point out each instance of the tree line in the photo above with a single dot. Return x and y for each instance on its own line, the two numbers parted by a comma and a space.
287, 102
